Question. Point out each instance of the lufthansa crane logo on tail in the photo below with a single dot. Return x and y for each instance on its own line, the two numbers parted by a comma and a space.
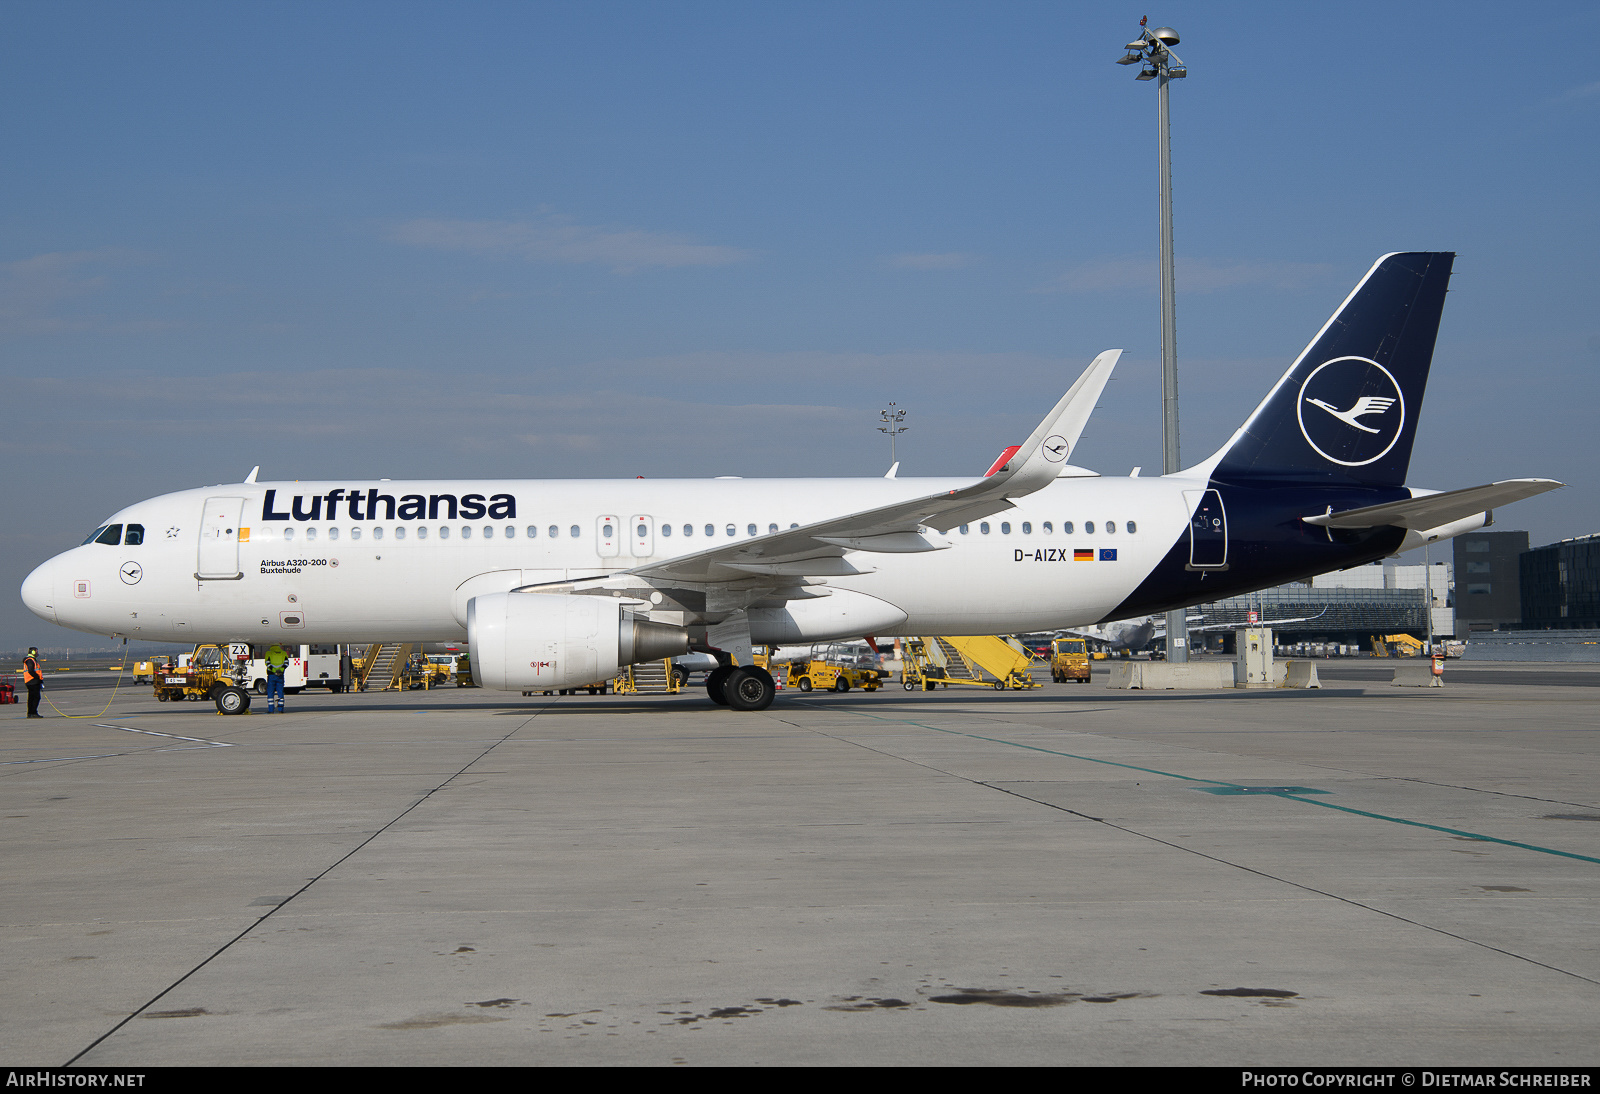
1351, 411
1055, 448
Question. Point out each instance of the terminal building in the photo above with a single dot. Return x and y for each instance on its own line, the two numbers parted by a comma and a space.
1489, 567
1495, 589
1560, 585
1348, 607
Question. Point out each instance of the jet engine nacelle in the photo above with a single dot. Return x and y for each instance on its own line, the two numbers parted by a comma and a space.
522, 641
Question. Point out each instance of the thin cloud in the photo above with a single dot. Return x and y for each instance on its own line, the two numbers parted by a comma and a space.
1195, 275
555, 239
1584, 91
951, 261
32, 290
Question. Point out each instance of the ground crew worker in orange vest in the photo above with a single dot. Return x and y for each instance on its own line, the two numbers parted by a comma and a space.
34, 679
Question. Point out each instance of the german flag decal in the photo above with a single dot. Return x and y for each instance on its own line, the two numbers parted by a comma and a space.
1108, 554
1082, 555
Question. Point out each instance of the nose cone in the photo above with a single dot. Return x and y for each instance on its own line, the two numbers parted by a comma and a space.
39, 592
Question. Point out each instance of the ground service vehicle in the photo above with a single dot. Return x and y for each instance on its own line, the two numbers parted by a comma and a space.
212, 672
1069, 660
832, 676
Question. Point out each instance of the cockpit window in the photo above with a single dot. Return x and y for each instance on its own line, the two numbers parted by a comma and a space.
94, 535
111, 537
135, 535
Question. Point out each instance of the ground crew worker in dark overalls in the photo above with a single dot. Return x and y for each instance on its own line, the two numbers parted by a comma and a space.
34, 679
277, 661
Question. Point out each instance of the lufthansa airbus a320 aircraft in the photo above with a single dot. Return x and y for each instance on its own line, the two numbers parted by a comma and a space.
556, 584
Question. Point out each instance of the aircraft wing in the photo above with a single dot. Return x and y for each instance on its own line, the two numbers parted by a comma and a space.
1433, 510
774, 567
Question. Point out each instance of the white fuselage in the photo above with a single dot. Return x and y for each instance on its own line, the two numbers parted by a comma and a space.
343, 576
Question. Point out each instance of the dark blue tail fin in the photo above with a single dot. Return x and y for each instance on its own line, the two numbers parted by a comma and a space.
1346, 411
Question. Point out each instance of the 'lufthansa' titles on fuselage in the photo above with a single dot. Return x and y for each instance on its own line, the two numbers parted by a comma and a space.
367, 506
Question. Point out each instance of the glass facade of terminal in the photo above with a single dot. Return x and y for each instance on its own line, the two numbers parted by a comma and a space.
1561, 584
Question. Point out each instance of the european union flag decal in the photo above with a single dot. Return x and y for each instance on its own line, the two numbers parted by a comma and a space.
1108, 554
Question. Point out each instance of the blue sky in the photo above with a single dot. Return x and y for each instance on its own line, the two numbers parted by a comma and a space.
596, 239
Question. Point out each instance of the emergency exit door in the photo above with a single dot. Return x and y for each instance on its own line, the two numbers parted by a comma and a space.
219, 540
607, 536
642, 539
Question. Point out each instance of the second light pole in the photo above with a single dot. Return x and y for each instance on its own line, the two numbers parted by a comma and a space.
1152, 51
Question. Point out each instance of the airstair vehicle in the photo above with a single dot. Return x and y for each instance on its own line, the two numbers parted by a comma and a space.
380, 670
648, 678
965, 659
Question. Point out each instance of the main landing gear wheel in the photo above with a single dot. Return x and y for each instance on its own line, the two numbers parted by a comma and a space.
232, 700
749, 688
714, 681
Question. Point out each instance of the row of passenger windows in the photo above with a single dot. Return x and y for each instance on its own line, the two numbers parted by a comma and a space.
532, 531
642, 530
711, 529
114, 535
444, 531
1109, 526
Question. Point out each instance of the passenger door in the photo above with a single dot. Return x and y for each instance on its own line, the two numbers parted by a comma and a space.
219, 540
1208, 534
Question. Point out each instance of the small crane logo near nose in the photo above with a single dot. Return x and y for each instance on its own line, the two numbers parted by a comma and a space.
131, 573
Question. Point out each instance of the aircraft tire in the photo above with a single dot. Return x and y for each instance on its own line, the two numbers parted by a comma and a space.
232, 700
749, 688
714, 681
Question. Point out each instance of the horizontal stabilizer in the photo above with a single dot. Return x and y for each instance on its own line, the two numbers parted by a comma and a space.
1433, 510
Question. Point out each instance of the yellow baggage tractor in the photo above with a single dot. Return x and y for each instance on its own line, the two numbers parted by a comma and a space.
821, 675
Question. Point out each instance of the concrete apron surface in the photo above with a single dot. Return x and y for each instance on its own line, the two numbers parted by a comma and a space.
1357, 875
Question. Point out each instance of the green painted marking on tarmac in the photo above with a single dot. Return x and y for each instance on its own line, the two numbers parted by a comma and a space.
1441, 828
1224, 788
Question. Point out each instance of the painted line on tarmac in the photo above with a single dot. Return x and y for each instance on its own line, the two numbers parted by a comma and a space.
199, 742
1238, 786
207, 742
59, 759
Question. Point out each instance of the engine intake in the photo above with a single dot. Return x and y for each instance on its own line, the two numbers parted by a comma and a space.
522, 641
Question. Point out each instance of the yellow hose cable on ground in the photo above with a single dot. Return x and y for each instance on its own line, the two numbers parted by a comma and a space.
120, 670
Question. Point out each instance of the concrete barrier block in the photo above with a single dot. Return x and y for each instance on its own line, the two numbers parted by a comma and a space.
1418, 675
1164, 676
1301, 674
